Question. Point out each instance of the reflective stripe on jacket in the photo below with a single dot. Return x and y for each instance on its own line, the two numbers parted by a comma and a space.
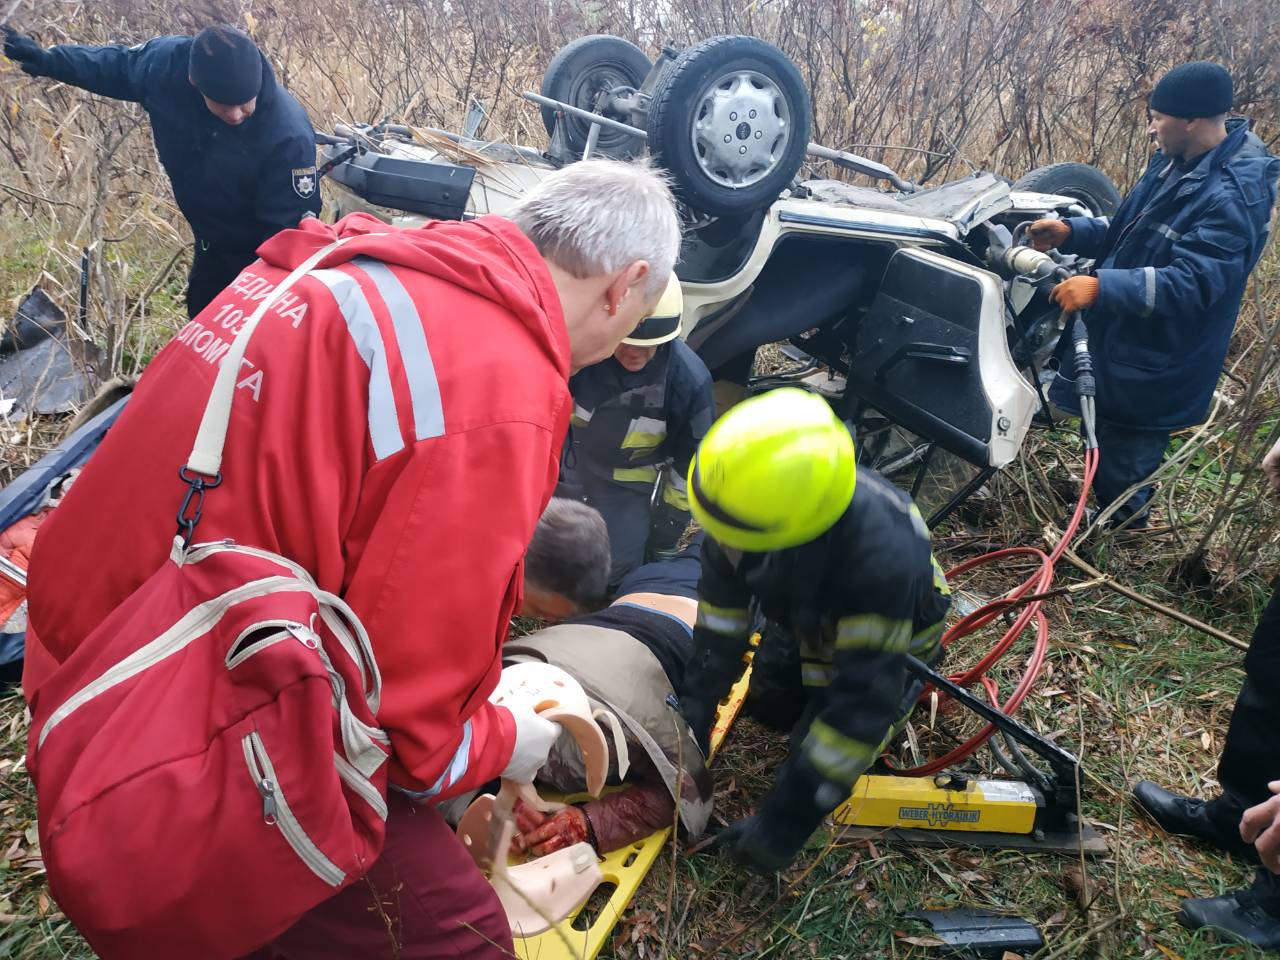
1172, 267
625, 425
855, 601
396, 430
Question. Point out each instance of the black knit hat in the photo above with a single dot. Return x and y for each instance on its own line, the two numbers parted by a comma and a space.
1197, 89
226, 65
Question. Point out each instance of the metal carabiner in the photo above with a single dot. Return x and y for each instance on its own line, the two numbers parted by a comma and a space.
193, 502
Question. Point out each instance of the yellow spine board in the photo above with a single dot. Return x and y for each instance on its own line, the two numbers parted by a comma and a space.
626, 868
992, 806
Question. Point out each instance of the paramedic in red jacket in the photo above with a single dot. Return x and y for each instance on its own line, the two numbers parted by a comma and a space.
396, 430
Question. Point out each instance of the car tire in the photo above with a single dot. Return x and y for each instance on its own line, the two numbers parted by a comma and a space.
582, 69
696, 104
1080, 181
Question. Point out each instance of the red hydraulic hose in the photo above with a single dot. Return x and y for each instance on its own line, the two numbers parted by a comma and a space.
1031, 613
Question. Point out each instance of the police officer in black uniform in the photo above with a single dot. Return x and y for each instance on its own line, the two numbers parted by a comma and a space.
1249, 777
239, 150
640, 412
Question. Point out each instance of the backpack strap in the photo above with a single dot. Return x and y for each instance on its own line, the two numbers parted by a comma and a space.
206, 454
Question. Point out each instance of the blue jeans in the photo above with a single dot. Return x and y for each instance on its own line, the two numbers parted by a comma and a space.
1125, 456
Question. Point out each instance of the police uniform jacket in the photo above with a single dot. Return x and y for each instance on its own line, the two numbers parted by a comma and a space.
236, 185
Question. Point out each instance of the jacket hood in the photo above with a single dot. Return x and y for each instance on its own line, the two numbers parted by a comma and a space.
267, 92
1242, 154
489, 257
1248, 163
1240, 145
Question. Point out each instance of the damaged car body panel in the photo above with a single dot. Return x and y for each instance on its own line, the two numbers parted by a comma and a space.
921, 304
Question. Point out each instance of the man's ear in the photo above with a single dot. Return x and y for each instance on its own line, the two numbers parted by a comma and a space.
624, 284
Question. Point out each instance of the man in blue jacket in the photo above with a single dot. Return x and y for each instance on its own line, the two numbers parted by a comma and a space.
239, 150
1171, 271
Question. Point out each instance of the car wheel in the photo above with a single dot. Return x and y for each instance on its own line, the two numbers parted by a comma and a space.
729, 120
580, 72
1080, 181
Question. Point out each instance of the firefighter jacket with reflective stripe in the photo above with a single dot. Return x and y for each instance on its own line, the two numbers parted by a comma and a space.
235, 185
626, 425
1172, 267
855, 601
396, 431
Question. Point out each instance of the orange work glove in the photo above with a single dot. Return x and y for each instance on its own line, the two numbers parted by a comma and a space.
1075, 293
1048, 234
561, 829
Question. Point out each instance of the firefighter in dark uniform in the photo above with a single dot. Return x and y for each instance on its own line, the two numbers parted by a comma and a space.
844, 574
239, 150
637, 419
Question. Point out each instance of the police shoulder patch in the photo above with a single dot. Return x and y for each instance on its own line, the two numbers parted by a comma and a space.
304, 181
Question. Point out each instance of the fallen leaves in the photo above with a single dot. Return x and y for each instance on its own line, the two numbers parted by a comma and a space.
918, 941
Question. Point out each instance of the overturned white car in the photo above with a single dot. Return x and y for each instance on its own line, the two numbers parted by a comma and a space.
917, 311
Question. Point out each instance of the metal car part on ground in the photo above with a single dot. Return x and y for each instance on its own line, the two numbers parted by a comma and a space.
45, 368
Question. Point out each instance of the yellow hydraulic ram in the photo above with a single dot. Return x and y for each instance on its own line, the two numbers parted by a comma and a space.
991, 806
953, 808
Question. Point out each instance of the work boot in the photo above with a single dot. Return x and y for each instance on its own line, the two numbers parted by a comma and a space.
1238, 916
1187, 817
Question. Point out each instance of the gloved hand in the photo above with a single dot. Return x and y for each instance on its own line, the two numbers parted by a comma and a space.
700, 714
666, 527
752, 844
1076, 293
1046, 235
558, 830
24, 51
534, 739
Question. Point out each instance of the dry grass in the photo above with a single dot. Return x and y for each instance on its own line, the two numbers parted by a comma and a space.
1134, 695
1006, 85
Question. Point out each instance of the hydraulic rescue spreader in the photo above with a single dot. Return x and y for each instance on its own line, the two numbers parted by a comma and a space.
931, 804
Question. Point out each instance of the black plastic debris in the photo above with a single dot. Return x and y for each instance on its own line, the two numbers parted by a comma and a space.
980, 933
43, 368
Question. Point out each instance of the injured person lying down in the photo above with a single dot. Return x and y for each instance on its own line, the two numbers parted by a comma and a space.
630, 658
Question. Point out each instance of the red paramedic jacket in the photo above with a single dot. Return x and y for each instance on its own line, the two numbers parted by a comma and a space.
396, 430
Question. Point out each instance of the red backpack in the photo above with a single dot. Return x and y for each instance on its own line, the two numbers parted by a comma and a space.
207, 762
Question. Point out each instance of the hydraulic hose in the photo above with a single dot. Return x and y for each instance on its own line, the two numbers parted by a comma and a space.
1031, 613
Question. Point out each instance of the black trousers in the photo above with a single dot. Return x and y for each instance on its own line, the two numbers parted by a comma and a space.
212, 269
1126, 455
1251, 756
